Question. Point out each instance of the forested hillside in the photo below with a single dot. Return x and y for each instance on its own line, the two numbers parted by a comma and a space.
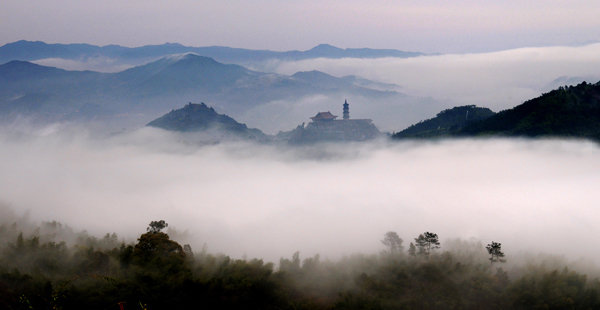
195, 117
446, 123
571, 112
37, 271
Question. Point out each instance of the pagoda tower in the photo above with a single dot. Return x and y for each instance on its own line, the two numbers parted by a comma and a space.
346, 110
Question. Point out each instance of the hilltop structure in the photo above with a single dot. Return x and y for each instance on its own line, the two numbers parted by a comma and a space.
325, 127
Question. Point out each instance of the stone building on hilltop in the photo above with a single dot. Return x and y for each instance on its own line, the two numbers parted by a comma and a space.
325, 127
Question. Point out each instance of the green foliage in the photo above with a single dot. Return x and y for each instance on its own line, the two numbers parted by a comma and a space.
156, 226
572, 111
446, 123
495, 250
554, 290
156, 273
426, 243
568, 112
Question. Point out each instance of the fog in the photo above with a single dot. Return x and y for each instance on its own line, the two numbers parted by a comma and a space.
497, 80
98, 64
389, 114
269, 201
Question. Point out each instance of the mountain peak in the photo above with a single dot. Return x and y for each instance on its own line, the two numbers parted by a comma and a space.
195, 117
173, 44
185, 56
17, 69
325, 48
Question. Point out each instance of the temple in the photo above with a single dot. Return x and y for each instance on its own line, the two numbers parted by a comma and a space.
346, 110
325, 127
324, 116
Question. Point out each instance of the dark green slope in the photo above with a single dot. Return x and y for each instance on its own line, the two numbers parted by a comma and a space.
446, 123
572, 111
199, 117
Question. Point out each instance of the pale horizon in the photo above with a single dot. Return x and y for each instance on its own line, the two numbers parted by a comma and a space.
463, 26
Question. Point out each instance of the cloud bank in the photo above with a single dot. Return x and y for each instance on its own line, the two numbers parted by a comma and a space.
98, 64
270, 201
498, 80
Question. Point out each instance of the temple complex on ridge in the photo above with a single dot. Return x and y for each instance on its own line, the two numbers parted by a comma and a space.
325, 127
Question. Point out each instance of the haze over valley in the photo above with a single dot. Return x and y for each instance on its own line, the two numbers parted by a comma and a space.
393, 155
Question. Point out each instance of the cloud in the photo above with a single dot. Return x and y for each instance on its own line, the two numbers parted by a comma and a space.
498, 80
98, 64
270, 201
389, 114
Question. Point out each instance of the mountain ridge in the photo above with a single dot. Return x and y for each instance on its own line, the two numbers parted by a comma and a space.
194, 117
565, 112
37, 50
570, 112
158, 86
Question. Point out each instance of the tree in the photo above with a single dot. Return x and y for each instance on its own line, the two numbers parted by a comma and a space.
393, 242
156, 226
412, 250
495, 250
156, 246
426, 242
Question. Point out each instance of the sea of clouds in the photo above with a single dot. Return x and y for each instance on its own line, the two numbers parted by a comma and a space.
269, 201
498, 80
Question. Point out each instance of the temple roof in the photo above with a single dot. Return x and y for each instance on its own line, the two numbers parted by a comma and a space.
323, 116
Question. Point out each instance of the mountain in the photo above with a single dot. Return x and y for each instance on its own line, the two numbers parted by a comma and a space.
350, 84
566, 112
133, 97
159, 85
322, 80
28, 88
567, 81
201, 118
446, 123
29, 51
362, 82
571, 112
183, 73
329, 51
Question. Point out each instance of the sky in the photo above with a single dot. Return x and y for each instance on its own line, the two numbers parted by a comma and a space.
438, 26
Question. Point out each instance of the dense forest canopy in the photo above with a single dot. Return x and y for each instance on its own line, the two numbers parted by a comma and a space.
446, 123
37, 271
572, 112
566, 112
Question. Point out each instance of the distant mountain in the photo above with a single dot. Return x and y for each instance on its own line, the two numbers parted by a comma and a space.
566, 112
350, 84
362, 82
568, 81
322, 80
571, 112
201, 118
446, 123
183, 73
27, 88
29, 51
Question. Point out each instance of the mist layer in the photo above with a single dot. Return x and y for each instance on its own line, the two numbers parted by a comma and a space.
270, 201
